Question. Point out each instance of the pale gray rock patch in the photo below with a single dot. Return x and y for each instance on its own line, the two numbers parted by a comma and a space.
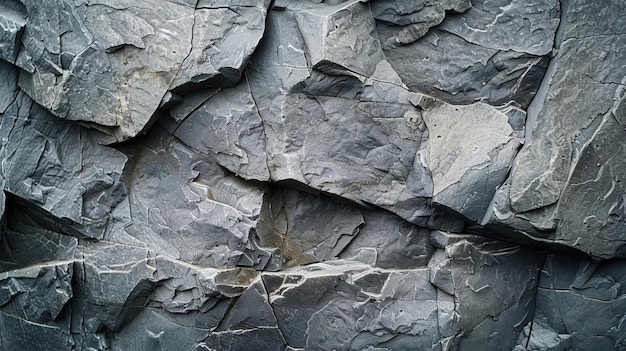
471, 149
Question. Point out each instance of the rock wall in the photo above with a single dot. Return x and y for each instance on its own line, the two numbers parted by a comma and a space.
312, 175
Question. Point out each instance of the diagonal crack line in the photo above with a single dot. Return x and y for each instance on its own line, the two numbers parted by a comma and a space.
193, 28
272, 309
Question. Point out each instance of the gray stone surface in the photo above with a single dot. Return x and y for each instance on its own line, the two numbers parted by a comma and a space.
66, 175
12, 22
299, 175
565, 186
186, 206
227, 127
493, 52
415, 17
580, 306
109, 64
466, 166
490, 313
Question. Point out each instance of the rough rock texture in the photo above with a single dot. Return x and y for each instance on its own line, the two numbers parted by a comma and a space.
312, 175
109, 64
565, 185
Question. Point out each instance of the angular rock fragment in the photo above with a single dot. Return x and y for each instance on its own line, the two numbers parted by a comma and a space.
224, 36
155, 330
580, 306
184, 205
229, 129
187, 306
109, 65
8, 86
249, 325
113, 282
307, 228
415, 17
595, 185
12, 22
493, 52
493, 284
353, 307
66, 177
23, 242
37, 293
368, 133
565, 184
508, 25
336, 36
21, 334
387, 241
367, 145
186, 289
471, 149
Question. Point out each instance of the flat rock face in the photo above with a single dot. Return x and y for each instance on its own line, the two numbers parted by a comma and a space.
312, 175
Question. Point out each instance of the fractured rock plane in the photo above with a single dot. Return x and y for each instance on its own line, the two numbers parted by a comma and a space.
286, 175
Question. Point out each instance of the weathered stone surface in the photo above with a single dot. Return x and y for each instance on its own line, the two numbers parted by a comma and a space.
308, 229
388, 241
508, 25
491, 313
367, 145
580, 306
312, 175
24, 243
466, 166
224, 35
415, 17
565, 185
381, 151
66, 175
12, 22
37, 293
186, 206
18, 333
8, 86
493, 52
110, 64
228, 128
334, 36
